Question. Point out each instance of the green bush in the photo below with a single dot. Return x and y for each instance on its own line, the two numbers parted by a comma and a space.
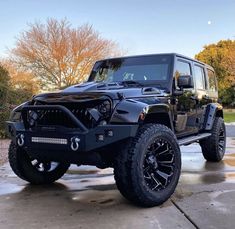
9, 97
14, 98
228, 97
4, 115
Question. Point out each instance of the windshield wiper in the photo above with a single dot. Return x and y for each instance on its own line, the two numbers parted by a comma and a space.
131, 83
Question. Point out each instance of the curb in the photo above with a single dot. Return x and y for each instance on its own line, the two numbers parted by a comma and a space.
230, 123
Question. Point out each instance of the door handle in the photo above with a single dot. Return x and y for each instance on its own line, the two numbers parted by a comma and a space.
206, 97
194, 97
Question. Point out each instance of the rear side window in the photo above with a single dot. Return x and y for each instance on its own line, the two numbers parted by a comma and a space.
199, 77
212, 80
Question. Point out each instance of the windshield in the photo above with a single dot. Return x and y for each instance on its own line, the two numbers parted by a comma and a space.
153, 69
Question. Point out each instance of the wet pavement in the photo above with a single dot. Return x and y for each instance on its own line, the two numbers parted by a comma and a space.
87, 197
230, 130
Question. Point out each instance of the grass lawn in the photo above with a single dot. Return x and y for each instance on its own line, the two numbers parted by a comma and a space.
229, 116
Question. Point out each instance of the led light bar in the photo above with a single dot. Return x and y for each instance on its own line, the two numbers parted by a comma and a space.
60, 141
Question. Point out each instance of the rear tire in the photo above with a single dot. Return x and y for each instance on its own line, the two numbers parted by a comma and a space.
147, 170
213, 148
34, 171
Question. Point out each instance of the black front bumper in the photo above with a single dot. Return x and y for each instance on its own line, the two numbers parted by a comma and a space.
60, 143
61, 139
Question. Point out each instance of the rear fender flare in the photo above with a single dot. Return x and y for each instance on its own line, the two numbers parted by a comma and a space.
212, 110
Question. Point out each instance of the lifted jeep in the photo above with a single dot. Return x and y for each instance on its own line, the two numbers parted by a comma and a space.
132, 114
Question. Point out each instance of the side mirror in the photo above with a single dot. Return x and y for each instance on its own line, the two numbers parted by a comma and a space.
185, 81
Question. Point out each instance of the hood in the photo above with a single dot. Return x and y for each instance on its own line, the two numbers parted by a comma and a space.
93, 91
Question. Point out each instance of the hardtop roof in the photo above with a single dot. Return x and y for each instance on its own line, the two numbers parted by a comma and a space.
173, 54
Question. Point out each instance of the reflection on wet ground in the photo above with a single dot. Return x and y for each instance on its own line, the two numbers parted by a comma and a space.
195, 170
87, 194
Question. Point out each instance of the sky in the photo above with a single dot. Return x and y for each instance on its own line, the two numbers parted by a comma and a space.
138, 26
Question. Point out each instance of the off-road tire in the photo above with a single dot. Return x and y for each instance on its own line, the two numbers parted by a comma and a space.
213, 148
21, 165
128, 166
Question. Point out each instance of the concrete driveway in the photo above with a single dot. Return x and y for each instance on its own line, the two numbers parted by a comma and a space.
87, 198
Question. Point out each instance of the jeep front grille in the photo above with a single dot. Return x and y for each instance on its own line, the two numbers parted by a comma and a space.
56, 117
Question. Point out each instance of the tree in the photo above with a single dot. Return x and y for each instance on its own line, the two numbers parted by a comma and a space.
4, 85
58, 54
221, 56
15, 87
4, 90
21, 80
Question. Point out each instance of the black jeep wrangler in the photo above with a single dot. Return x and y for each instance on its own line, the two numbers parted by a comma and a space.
132, 114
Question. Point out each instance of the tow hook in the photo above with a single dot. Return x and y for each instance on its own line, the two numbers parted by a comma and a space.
20, 140
75, 143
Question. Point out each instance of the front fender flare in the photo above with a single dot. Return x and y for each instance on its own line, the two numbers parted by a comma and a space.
129, 111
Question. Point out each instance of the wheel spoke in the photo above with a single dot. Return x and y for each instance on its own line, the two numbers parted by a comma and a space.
167, 166
36, 164
163, 175
157, 182
46, 166
164, 151
221, 143
146, 169
148, 176
158, 165
154, 147
168, 161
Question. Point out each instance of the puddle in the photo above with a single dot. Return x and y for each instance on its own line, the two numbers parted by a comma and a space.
84, 181
97, 197
104, 187
230, 160
87, 184
181, 193
82, 172
195, 170
11, 188
7, 188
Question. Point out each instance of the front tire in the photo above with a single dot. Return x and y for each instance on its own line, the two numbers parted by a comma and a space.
147, 170
32, 170
213, 148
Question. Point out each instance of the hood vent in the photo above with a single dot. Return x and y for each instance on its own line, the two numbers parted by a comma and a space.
150, 90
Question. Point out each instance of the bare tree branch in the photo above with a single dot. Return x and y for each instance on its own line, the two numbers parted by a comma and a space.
60, 55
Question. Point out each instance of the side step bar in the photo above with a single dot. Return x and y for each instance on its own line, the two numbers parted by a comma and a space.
191, 139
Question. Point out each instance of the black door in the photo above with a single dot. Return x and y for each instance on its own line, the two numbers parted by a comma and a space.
186, 105
202, 94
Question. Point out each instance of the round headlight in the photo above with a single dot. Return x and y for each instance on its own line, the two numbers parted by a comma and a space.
105, 107
32, 117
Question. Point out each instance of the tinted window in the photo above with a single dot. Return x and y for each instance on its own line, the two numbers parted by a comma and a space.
212, 80
182, 68
199, 77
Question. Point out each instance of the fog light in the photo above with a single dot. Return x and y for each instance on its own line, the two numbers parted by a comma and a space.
33, 116
109, 133
100, 137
